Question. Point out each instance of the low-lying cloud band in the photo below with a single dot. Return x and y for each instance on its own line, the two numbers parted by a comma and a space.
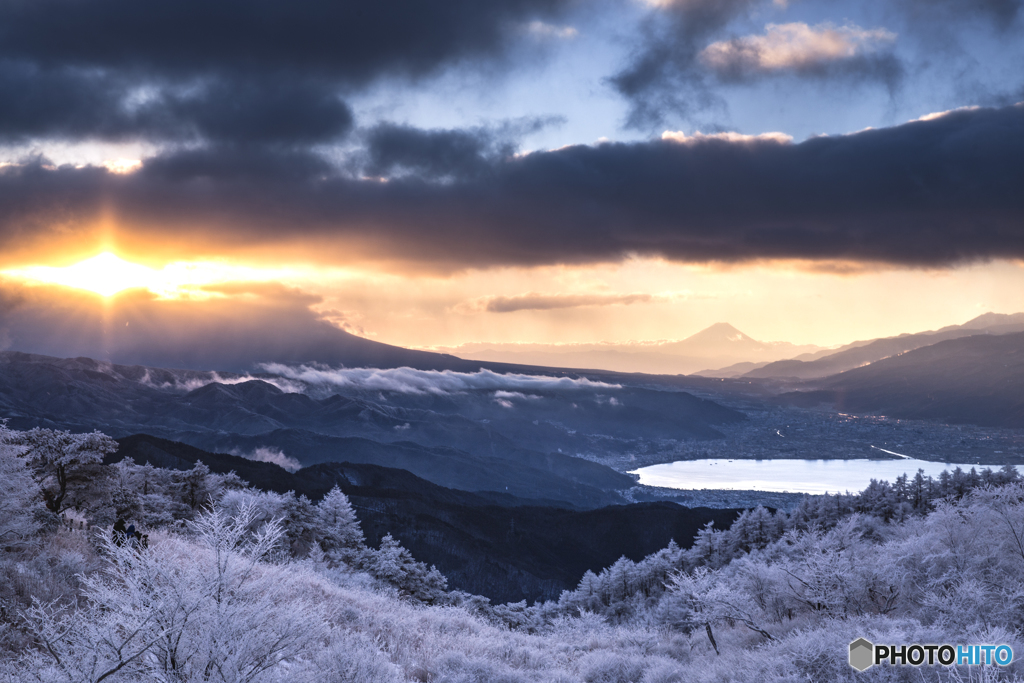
412, 381
536, 301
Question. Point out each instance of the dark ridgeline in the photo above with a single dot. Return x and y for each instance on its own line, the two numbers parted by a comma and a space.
860, 353
487, 543
973, 380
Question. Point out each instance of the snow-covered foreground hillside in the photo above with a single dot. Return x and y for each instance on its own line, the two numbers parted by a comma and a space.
233, 584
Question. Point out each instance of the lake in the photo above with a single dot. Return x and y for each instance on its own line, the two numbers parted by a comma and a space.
795, 476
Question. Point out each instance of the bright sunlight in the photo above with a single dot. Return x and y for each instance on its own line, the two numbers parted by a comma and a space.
107, 274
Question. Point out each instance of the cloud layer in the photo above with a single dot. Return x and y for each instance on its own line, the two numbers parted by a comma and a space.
926, 193
535, 301
410, 381
257, 150
797, 47
351, 41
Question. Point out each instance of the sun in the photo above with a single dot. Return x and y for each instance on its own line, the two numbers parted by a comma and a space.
105, 274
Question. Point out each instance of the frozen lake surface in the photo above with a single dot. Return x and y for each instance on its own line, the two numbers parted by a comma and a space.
795, 476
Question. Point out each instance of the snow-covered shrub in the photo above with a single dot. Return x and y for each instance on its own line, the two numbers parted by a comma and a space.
21, 500
610, 667
181, 609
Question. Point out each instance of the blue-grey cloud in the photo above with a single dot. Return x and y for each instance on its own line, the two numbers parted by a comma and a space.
393, 149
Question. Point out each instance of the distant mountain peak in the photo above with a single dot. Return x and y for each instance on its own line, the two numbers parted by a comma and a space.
720, 332
253, 389
993, 319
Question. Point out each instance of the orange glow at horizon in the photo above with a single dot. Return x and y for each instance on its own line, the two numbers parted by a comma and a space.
107, 274
637, 300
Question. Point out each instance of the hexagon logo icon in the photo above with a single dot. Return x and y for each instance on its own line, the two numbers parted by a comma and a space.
862, 654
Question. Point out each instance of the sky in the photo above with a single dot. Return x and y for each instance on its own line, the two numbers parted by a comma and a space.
430, 173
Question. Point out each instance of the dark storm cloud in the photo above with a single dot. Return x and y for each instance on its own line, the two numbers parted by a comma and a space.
64, 103
261, 164
431, 153
74, 103
932, 192
444, 154
259, 110
353, 41
235, 71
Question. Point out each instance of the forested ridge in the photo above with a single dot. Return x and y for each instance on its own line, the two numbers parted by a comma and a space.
485, 542
224, 582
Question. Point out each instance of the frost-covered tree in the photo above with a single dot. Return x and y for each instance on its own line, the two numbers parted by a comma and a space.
964, 563
124, 496
64, 463
710, 546
20, 496
626, 589
299, 519
753, 529
838, 574
338, 527
194, 485
701, 600
297, 515
199, 609
395, 565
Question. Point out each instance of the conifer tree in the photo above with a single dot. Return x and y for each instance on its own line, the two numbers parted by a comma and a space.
338, 525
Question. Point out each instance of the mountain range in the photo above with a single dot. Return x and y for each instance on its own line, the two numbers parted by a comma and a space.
716, 346
977, 379
723, 351
858, 354
549, 435
475, 431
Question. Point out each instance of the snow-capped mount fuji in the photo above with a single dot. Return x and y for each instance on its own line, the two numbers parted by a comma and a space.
722, 339
717, 346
